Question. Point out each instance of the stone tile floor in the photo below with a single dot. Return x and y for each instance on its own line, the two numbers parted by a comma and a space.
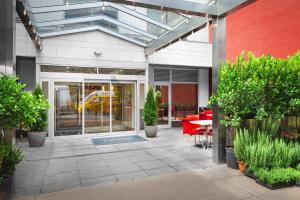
74, 161
214, 183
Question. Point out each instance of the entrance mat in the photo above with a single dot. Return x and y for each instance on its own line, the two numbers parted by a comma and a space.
117, 140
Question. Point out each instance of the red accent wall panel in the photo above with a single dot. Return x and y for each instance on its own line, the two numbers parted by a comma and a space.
264, 27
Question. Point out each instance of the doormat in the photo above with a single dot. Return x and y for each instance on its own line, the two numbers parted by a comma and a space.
117, 140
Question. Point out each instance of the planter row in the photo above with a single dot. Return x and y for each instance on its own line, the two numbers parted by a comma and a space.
250, 174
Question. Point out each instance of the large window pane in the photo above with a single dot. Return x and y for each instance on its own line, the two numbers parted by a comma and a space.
162, 98
68, 118
184, 100
96, 107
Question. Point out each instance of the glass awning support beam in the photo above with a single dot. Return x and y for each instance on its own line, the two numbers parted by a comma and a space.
188, 7
55, 33
180, 31
98, 5
221, 8
95, 18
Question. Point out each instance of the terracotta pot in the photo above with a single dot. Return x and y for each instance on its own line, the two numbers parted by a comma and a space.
242, 166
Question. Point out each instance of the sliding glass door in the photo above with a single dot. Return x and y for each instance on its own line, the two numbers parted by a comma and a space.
123, 106
67, 113
94, 107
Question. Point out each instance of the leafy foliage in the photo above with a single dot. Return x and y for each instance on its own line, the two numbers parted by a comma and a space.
150, 109
40, 106
258, 87
277, 176
10, 101
10, 156
298, 167
258, 150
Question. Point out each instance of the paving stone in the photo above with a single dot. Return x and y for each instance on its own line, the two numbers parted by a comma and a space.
131, 176
95, 172
160, 171
153, 164
122, 168
64, 185
86, 164
99, 180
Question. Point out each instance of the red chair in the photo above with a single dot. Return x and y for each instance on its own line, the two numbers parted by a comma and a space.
191, 129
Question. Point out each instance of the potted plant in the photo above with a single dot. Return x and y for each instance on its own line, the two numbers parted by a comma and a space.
150, 114
37, 128
10, 156
240, 142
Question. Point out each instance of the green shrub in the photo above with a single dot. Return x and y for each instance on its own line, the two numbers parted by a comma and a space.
258, 150
277, 176
10, 99
150, 109
298, 167
40, 106
259, 87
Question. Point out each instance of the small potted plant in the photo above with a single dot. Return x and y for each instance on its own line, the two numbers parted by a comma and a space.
239, 148
150, 114
10, 156
37, 128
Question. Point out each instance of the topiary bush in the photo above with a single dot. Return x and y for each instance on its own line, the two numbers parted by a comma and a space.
150, 109
41, 107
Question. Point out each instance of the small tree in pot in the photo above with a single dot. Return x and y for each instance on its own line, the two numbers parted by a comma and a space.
150, 114
37, 128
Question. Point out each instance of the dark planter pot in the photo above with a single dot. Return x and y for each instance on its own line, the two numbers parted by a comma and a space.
6, 189
249, 173
277, 186
231, 159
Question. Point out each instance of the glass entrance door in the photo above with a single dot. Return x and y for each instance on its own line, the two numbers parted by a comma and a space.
123, 106
67, 114
96, 107
162, 100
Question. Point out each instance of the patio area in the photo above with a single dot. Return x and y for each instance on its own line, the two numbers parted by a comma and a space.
74, 161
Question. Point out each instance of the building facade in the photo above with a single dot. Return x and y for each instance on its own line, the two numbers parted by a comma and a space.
96, 82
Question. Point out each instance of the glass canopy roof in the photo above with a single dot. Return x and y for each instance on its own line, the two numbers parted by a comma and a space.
135, 24
153, 24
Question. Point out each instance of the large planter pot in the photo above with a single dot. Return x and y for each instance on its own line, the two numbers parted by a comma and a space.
242, 166
36, 139
6, 189
231, 159
151, 131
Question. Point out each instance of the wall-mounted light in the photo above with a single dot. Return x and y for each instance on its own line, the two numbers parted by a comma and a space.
24, 12
29, 23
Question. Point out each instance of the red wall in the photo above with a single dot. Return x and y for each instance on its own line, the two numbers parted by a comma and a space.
264, 27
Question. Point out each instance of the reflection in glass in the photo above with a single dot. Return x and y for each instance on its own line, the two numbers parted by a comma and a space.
96, 107
68, 119
123, 106
162, 100
184, 100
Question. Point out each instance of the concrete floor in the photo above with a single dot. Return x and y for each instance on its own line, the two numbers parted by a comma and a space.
74, 161
214, 183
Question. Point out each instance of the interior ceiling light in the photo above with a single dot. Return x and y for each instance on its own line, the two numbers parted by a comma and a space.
103, 6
